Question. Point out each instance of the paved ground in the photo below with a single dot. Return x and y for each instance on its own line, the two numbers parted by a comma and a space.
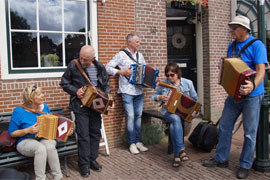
156, 165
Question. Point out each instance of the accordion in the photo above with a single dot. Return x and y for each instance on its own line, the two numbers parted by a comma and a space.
180, 104
96, 99
143, 75
233, 73
53, 126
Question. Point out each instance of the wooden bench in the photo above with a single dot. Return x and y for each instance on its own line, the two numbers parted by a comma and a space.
12, 159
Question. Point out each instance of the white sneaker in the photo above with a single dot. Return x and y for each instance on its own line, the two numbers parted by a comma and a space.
133, 149
141, 147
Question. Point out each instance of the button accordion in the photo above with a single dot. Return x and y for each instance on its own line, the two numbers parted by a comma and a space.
54, 126
233, 73
143, 75
96, 99
180, 104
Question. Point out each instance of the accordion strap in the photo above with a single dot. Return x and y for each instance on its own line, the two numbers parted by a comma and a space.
243, 48
31, 110
82, 71
161, 83
130, 56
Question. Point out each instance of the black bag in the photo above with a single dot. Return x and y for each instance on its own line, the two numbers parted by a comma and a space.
205, 136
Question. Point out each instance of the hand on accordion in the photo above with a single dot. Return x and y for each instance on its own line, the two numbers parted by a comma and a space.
80, 92
126, 72
32, 129
195, 114
163, 98
71, 132
246, 89
111, 107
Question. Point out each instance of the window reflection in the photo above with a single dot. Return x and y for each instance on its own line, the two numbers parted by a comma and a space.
74, 13
23, 14
24, 49
50, 18
73, 43
50, 49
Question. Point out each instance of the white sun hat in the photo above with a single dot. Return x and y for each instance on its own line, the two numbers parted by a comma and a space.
241, 20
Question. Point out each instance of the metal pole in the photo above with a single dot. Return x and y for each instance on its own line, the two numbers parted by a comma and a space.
262, 162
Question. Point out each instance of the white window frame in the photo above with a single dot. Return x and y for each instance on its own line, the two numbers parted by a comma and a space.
4, 42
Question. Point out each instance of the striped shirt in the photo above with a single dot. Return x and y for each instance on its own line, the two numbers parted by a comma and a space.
92, 73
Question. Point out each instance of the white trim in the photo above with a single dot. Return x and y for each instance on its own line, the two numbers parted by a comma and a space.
199, 57
93, 25
4, 43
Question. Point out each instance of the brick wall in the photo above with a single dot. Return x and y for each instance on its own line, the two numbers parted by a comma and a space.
115, 20
216, 38
151, 26
11, 91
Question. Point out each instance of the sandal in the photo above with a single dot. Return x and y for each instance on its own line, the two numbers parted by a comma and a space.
183, 155
176, 161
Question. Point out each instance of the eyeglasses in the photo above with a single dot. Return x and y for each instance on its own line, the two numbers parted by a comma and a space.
33, 89
170, 75
86, 58
234, 27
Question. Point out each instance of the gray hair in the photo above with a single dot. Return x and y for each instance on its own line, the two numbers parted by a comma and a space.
131, 36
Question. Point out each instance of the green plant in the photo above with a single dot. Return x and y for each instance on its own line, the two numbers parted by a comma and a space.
193, 2
49, 60
152, 133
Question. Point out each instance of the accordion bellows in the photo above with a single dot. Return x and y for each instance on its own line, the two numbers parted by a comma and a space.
179, 103
52, 126
96, 99
233, 73
143, 75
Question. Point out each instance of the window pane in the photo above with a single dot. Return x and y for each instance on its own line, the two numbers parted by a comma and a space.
50, 49
50, 17
23, 14
74, 16
24, 49
73, 45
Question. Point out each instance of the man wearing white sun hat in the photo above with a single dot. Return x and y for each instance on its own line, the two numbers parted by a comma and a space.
255, 57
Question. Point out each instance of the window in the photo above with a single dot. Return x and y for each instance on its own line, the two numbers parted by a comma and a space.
45, 35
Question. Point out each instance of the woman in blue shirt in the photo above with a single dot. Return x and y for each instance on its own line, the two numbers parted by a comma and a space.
174, 77
23, 126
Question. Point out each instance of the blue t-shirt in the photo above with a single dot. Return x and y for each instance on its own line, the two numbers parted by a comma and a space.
253, 55
22, 119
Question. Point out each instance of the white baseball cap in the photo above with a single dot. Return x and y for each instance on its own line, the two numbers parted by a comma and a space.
241, 20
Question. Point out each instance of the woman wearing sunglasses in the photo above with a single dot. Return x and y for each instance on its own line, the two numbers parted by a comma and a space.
174, 77
23, 126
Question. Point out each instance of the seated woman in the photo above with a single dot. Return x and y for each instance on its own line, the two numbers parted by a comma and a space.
23, 125
174, 77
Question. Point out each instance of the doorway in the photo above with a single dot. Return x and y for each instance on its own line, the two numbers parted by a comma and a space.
181, 47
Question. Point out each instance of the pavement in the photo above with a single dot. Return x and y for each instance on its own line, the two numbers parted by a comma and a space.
156, 164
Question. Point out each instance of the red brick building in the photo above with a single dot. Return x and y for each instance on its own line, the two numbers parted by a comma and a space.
31, 30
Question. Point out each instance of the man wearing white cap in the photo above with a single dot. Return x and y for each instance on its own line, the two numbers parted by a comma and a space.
255, 57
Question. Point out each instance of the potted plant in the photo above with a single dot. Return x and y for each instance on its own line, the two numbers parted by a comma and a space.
187, 4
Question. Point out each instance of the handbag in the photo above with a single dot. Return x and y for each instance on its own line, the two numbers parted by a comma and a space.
7, 143
205, 136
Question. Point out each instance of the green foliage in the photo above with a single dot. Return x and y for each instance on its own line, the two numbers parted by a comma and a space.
52, 60
152, 133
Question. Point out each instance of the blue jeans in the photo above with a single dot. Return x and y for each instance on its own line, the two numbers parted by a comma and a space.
133, 105
176, 131
250, 108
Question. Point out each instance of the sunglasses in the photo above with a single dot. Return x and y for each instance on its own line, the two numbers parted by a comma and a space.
234, 27
170, 75
33, 89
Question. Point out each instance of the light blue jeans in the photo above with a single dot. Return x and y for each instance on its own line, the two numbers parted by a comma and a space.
250, 108
176, 131
133, 105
